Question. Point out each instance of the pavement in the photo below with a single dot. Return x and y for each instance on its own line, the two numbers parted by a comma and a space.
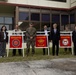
40, 67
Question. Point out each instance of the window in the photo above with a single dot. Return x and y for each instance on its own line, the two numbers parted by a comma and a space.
64, 19
72, 18
56, 18
23, 16
23, 25
1, 19
35, 16
36, 25
8, 27
46, 17
8, 20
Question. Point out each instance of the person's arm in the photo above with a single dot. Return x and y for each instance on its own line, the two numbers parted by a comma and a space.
51, 34
13, 32
0, 36
6, 37
59, 35
34, 34
73, 36
27, 33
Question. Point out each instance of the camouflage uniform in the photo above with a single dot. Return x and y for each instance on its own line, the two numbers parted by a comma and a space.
30, 32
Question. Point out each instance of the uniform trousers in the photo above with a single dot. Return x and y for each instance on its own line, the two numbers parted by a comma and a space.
32, 43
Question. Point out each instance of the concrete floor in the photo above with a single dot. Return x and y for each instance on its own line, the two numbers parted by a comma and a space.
40, 67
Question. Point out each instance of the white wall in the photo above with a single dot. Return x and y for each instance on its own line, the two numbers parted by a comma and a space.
45, 3
73, 3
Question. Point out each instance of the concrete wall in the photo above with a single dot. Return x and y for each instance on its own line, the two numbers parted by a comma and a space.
73, 3
45, 3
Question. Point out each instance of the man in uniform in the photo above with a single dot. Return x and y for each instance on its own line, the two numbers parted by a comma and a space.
30, 34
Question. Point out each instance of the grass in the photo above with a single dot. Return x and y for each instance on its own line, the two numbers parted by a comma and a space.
38, 56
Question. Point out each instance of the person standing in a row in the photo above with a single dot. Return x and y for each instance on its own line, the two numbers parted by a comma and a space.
3, 40
30, 38
66, 49
55, 37
74, 39
47, 33
17, 30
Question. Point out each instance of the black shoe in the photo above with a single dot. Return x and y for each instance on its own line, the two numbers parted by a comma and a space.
3, 56
43, 53
56, 55
13, 55
53, 55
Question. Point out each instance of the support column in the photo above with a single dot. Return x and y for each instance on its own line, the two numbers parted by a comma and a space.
16, 15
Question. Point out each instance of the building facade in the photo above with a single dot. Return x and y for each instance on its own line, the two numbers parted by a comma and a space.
39, 12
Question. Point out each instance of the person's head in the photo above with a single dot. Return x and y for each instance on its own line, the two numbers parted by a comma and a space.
66, 28
75, 27
30, 25
55, 26
45, 27
3, 28
16, 27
